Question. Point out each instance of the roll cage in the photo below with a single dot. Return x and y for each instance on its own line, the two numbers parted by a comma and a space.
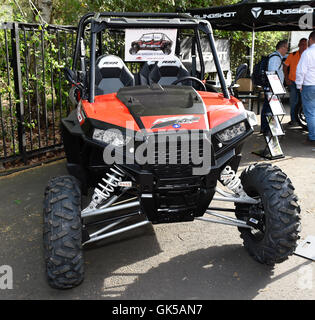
100, 22
152, 36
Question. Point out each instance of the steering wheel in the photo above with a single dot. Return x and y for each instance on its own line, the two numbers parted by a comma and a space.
190, 78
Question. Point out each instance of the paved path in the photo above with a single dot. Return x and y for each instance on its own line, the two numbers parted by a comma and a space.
194, 260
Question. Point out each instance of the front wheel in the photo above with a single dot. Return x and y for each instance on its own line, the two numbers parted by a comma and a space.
275, 219
134, 49
167, 50
63, 233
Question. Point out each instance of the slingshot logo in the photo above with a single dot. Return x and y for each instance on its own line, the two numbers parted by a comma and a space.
256, 12
218, 15
6, 277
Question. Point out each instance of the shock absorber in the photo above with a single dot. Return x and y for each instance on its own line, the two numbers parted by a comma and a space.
104, 191
231, 181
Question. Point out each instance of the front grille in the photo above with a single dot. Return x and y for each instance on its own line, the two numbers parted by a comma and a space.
175, 151
178, 153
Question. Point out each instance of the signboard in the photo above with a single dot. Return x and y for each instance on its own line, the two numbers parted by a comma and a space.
263, 15
274, 125
275, 83
274, 146
223, 50
275, 105
149, 44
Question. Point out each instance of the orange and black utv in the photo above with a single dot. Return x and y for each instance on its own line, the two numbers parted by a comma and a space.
149, 142
152, 41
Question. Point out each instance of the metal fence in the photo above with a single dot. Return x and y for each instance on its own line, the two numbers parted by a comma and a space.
33, 91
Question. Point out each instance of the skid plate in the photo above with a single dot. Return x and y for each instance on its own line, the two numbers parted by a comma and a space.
306, 248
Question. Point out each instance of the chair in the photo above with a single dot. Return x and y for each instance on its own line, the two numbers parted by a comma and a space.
246, 90
111, 74
165, 72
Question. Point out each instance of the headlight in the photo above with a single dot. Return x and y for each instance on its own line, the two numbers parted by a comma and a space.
111, 136
232, 132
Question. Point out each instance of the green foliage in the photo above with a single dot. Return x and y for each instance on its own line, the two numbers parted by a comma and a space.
240, 41
43, 54
68, 12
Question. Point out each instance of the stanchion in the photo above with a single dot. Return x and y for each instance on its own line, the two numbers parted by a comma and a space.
274, 118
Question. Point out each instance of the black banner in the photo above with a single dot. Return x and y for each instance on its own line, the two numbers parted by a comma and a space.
260, 16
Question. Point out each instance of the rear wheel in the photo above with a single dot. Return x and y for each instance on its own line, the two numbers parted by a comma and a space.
275, 219
63, 233
300, 116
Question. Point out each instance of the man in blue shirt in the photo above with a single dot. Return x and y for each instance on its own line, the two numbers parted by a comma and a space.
275, 64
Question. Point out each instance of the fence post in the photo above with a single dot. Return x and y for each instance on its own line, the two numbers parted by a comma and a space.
16, 65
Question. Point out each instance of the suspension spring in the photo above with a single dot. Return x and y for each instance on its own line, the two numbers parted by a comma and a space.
231, 181
104, 191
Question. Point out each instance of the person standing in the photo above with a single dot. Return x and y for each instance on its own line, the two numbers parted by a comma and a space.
275, 63
289, 68
305, 81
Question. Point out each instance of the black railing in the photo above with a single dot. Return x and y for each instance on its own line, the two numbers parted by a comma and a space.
33, 91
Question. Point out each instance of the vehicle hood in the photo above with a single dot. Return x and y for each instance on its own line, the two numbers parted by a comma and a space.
157, 108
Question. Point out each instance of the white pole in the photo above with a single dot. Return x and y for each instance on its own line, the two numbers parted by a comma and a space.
251, 67
252, 52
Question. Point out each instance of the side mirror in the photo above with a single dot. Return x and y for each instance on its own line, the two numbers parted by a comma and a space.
70, 76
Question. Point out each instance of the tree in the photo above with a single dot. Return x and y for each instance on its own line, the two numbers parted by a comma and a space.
45, 8
68, 12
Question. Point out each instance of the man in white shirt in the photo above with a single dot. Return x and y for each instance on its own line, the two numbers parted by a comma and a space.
305, 81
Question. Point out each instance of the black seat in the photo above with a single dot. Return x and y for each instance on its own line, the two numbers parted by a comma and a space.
111, 74
145, 71
165, 72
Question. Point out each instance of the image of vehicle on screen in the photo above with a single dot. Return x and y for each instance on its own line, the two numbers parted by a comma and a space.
154, 142
152, 41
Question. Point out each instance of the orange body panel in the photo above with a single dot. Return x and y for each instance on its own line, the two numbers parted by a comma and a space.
220, 109
108, 108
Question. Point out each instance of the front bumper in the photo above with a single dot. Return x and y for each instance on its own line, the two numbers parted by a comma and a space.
167, 193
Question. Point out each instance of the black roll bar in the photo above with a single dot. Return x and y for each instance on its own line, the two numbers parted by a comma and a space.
92, 66
199, 48
97, 24
206, 27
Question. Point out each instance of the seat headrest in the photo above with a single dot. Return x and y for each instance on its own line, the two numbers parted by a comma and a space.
165, 72
173, 62
111, 74
109, 61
